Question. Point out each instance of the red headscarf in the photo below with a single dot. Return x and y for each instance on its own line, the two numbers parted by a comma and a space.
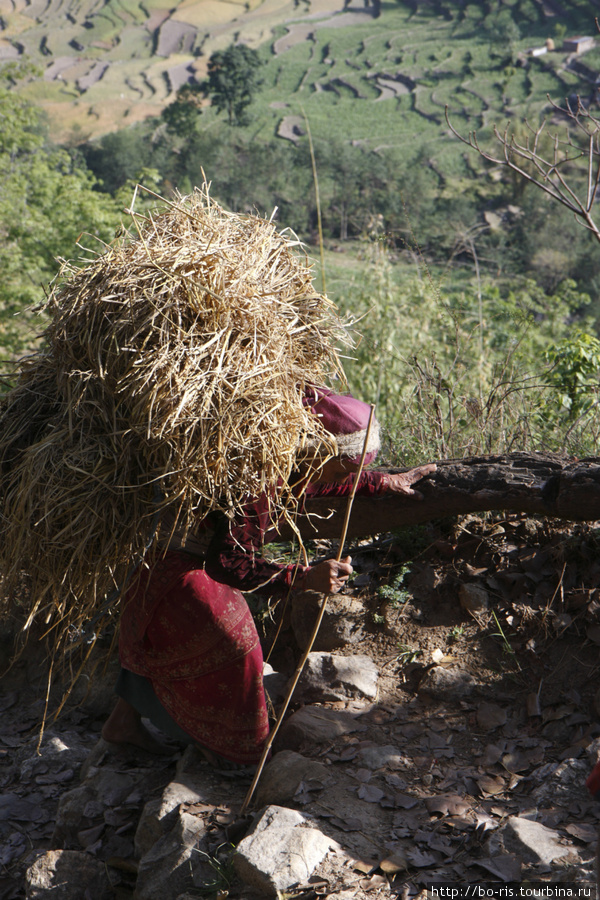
346, 418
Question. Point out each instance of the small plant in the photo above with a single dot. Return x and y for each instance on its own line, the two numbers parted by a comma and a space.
395, 593
506, 645
407, 654
456, 632
222, 865
378, 618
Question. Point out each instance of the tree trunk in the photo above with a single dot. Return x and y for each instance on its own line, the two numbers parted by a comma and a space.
542, 484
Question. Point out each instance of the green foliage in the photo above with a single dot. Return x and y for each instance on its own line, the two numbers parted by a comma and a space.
407, 654
505, 643
117, 158
183, 115
47, 199
474, 358
389, 161
456, 632
233, 81
460, 372
395, 593
575, 373
502, 28
560, 32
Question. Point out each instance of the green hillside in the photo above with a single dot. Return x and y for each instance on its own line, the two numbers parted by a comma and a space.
378, 75
384, 83
464, 278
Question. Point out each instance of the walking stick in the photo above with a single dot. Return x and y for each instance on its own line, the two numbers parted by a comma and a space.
315, 630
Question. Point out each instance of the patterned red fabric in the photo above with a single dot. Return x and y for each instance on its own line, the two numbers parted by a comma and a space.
593, 782
195, 640
187, 628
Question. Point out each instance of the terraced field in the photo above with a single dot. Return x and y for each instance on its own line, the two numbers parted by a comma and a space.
376, 81
106, 63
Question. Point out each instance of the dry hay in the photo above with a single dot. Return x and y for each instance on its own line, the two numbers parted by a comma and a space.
169, 385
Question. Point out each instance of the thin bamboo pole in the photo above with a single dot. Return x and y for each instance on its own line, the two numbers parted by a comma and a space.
315, 630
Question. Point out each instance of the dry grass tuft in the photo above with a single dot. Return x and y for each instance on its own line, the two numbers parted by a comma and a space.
169, 385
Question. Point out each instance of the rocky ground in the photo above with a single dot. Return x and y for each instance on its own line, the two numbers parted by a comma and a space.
441, 734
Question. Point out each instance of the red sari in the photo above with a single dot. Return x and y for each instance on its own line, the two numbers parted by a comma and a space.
186, 627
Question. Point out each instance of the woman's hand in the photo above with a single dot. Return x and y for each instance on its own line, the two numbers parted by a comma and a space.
328, 577
402, 483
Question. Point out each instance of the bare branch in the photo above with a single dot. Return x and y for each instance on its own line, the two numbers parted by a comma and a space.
552, 176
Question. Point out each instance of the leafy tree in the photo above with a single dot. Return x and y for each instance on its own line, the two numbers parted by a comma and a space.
233, 81
182, 115
118, 158
575, 372
47, 200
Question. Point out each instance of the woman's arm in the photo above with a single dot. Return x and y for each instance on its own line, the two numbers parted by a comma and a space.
373, 483
235, 553
370, 484
235, 556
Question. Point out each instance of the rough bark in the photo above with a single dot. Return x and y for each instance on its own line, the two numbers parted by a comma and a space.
543, 484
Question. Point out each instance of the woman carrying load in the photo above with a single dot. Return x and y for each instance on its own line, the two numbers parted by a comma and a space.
190, 653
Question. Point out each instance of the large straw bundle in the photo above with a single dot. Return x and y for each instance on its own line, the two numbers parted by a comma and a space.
170, 382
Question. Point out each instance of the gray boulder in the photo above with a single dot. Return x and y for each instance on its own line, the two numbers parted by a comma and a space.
67, 875
331, 677
167, 869
282, 777
283, 849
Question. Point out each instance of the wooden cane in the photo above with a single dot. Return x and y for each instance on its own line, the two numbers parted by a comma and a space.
316, 627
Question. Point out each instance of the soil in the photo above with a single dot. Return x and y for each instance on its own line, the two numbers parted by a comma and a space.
486, 633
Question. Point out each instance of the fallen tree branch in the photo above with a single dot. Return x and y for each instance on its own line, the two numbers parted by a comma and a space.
543, 484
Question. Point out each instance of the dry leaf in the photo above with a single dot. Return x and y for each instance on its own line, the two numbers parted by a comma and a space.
363, 866
489, 785
393, 864
364, 775
440, 842
404, 801
89, 836
447, 805
505, 866
584, 832
375, 881
124, 865
12, 847
515, 762
348, 753
350, 824
473, 571
561, 622
491, 755
224, 819
490, 716
370, 794
421, 859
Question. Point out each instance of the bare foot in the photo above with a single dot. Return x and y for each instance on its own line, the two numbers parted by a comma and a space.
124, 726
